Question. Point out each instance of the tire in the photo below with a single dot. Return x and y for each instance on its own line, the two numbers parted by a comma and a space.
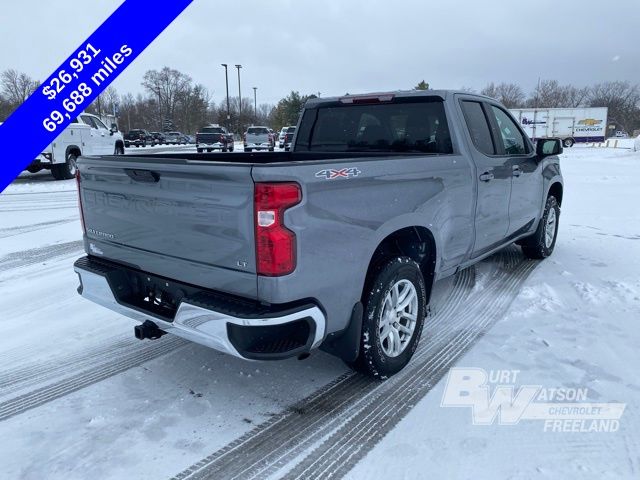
568, 142
119, 150
231, 149
271, 149
541, 244
383, 356
209, 150
66, 170
248, 150
199, 150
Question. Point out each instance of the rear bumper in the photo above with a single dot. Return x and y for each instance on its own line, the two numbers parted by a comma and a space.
216, 145
241, 328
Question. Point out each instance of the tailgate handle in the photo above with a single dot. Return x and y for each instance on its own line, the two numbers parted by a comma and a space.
144, 176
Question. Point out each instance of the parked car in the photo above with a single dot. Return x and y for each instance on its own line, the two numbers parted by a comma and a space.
281, 135
86, 135
288, 138
258, 138
174, 138
213, 137
158, 138
138, 138
335, 244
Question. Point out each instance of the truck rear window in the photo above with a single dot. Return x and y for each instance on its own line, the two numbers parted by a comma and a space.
212, 130
419, 127
257, 131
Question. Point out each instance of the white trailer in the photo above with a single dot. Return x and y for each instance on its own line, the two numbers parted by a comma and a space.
569, 124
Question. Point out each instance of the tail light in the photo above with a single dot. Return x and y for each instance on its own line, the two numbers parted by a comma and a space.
84, 230
275, 244
221, 138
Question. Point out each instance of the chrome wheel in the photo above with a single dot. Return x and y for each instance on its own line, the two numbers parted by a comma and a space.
398, 318
550, 228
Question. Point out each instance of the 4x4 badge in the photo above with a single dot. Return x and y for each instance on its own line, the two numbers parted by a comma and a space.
342, 173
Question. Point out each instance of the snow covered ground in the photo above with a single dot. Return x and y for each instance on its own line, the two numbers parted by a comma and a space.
81, 398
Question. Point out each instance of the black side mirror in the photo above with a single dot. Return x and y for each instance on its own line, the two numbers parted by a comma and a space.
114, 128
545, 147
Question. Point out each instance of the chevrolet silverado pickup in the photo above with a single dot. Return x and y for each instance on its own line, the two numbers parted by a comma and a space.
214, 137
333, 245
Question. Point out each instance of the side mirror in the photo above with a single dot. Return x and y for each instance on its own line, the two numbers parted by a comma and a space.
114, 128
545, 147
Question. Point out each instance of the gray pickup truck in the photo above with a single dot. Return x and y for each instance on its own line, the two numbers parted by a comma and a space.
333, 245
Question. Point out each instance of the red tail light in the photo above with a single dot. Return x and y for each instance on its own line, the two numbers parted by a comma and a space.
275, 244
84, 230
221, 138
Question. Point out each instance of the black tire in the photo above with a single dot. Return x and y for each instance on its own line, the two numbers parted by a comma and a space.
199, 150
231, 149
66, 170
271, 149
539, 245
119, 150
568, 142
373, 360
248, 150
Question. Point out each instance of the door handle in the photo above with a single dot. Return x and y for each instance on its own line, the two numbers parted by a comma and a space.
486, 177
516, 170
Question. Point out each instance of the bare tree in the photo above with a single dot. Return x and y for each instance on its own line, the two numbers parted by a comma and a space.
166, 86
16, 86
509, 94
621, 98
550, 94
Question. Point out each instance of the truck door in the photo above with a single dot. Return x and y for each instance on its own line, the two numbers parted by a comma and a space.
493, 178
96, 141
563, 127
526, 187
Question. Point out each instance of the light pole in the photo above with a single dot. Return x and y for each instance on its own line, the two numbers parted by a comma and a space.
239, 100
255, 103
226, 79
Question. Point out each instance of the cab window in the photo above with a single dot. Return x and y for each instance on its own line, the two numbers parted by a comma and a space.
510, 135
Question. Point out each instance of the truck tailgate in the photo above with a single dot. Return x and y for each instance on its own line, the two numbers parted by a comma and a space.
187, 220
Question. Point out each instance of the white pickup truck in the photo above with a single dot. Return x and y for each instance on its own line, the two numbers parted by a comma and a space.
86, 135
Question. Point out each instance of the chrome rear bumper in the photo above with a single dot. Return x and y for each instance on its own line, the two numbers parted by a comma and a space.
205, 325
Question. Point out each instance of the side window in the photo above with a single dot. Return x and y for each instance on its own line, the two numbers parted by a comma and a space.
512, 138
88, 120
98, 123
478, 127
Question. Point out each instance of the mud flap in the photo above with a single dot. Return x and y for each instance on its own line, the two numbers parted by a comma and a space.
345, 344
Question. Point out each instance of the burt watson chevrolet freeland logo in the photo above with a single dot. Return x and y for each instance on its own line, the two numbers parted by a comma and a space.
494, 396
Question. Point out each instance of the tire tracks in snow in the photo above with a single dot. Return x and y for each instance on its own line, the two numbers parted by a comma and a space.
26, 258
339, 453
124, 361
19, 230
316, 425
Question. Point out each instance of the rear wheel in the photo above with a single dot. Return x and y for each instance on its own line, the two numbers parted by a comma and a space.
394, 312
119, 150
541, 244
248, 150
66, 170
568, 142
199, 150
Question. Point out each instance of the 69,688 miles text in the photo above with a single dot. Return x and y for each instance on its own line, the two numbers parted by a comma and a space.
70, 104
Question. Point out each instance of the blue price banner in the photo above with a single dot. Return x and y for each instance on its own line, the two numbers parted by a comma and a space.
80, 79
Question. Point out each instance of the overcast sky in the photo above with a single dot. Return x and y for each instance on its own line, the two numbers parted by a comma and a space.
338, 46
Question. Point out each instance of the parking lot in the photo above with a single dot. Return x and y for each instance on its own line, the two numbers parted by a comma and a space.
78, 390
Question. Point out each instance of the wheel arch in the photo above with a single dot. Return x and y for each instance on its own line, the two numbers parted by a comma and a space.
416, 242
72, 149
556, 189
